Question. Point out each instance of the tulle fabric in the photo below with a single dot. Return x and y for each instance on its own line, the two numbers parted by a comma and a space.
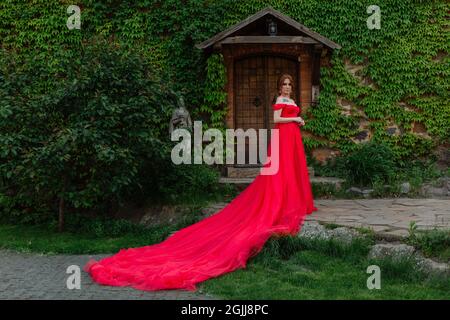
272, 205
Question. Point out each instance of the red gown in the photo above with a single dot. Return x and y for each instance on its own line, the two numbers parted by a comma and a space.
274, 204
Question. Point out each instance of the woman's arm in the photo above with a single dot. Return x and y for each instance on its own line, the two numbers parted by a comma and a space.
278, 119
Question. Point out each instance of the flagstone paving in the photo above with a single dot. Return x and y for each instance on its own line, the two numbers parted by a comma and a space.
388, 217
44, 277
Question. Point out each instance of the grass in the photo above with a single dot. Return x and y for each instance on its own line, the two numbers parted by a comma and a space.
433, 243
39, 239
293, 268
92, 237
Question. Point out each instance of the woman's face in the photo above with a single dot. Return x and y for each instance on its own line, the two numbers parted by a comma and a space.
286, 87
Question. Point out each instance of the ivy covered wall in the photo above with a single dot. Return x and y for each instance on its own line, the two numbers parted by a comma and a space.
390, 84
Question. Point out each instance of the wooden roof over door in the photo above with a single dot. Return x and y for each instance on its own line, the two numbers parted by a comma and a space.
308, 36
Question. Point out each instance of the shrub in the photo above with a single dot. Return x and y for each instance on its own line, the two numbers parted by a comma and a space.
372, 162
82, 139
185, 180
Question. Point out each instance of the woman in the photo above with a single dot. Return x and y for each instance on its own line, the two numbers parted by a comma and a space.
272, 205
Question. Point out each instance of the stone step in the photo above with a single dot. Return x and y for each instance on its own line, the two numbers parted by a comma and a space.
252, 172
242, 172
243, 182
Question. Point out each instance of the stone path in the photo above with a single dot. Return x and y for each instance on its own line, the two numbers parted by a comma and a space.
387, 217
33, 276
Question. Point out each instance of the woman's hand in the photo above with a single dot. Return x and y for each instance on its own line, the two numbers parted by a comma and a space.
300, 121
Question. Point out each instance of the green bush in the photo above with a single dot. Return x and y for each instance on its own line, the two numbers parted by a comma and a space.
90, 139
83, 140
186, 180
372, 162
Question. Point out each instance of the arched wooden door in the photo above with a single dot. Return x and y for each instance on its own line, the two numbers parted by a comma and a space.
255, 86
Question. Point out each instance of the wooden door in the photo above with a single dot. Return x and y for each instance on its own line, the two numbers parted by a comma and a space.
255, 87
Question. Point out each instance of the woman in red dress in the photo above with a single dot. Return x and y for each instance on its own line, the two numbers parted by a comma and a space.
272, 205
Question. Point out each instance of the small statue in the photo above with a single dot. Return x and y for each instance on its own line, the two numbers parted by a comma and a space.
180, 116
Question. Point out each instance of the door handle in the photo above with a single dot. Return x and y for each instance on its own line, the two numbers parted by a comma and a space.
257, 101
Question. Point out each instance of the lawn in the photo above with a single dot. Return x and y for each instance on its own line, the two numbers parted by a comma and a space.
294, 268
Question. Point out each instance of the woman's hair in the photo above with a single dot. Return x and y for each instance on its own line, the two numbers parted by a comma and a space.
281, 81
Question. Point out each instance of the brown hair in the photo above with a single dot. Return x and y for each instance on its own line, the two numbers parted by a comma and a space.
281, 81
